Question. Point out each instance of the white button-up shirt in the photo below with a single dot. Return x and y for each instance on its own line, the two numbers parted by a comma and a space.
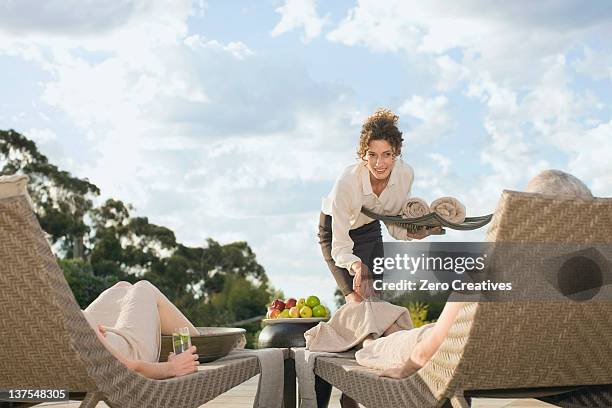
353, 190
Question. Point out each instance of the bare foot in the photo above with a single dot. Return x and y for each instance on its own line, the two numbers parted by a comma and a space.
402, 371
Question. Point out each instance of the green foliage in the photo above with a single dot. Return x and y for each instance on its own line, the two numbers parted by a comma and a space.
252, 334
240, 299
418, 313
84, 285
433, 301
339, 298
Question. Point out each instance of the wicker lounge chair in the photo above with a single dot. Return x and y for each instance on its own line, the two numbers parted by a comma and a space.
560, 353
47, 343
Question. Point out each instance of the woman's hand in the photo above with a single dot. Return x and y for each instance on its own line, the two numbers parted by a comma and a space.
184, 363
362, 281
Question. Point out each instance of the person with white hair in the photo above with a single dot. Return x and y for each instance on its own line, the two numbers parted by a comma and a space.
559, 184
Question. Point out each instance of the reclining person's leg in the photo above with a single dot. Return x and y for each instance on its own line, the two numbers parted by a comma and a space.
106, 307
138, 322
170, 316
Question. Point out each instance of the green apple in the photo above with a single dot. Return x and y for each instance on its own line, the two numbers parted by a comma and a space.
305, 312
294, 312
301, 302
312, 301
319, 311
284, 314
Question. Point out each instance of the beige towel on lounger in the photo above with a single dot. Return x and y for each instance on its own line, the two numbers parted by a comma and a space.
305, 373
353, 323
349, 327
271, 378
449, 208
415, 207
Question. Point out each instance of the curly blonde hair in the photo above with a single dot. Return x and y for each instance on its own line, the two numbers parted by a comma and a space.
381, 125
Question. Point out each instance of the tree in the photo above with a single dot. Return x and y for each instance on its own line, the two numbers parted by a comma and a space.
214, 284
84, 285
61, 200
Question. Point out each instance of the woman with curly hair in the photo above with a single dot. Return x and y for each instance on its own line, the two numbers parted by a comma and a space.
379, 181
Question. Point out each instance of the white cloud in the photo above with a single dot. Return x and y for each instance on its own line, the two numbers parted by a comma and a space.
66, 16
485, 35
442, 161
449, 73
595, 63
42, 136
300, 14
140, 28
431, 112
592, 160
381, 26
238, 49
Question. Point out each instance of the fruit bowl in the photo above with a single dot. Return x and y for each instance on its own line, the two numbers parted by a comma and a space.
295, 320
212, 343
301, 309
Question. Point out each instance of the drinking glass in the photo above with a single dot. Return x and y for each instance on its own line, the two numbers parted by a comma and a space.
181, 340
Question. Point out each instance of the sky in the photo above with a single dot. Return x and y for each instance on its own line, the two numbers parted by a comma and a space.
232, 120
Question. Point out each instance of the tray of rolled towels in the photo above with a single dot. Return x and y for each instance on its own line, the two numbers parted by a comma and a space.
447, 212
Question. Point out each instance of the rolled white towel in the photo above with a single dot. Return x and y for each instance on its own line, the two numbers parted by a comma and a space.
449, 208
415, 207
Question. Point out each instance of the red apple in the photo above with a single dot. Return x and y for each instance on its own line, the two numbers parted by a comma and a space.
290, 302
278, 304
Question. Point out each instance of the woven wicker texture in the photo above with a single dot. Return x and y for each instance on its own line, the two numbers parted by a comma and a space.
371, 390
49, 344
506, 345
594, 396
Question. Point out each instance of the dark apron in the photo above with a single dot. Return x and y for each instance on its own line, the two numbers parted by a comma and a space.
367, 246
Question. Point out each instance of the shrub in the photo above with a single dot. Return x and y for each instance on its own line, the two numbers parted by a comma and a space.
84, 284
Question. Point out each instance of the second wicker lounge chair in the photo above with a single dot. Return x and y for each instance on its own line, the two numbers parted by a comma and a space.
558, 352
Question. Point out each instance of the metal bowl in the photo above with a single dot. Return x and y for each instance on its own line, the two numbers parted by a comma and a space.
212, 343
285, 334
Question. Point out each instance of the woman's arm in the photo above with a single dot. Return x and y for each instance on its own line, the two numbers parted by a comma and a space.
176, 366
185, 363
431, 342
341, 210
